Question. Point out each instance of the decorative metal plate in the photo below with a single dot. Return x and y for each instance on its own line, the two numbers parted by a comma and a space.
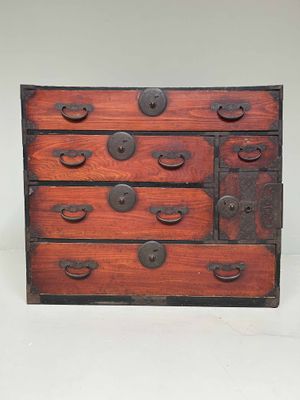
121, 146
122, 198
228, 206
152, 254
152, 102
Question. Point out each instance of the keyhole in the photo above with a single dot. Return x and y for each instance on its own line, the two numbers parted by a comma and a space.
122, 198
152, 257
121, 147
152, 104
231, 206
248, 209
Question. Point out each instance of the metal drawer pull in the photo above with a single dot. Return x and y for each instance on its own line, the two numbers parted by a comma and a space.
79, 156
180, 211
230, 111
73, 209
87, 266
244, 153
171, 155
152, 254
81, 111
227, 267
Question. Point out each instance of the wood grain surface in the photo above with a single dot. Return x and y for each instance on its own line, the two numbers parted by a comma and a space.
186, 110
103, 222
43, 164
185, 271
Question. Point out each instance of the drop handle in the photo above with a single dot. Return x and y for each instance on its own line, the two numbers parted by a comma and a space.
73, 212
72, 158
78, 269
74, 112
179, 158
219, 269
230, 112
250, 153
160, 211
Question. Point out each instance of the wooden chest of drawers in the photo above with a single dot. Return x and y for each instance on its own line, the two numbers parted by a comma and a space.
153, 196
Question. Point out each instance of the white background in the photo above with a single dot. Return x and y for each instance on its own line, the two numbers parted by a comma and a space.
145, 353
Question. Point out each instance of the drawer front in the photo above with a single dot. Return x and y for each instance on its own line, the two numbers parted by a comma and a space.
197, 109
100, 158
250, 205
249, 152
87, 212
187, 270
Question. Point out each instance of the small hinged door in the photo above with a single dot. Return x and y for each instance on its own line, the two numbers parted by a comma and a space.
250, 206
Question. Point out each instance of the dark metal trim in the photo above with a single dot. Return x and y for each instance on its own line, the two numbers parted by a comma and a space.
162, 300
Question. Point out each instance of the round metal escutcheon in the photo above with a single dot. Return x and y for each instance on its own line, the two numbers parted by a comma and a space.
152, 254
121, 145
152, 102
122, 198
228, 206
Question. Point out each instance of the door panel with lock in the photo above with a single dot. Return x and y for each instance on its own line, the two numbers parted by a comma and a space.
249, 204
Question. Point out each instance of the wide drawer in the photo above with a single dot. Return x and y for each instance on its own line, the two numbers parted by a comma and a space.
121, 157
87, 212
111, 109
188, 270
249, 152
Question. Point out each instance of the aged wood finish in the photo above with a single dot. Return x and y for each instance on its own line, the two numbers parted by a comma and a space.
44, 164
184, 273
103, 222
186, 110
249, 152
157, 196
230, 228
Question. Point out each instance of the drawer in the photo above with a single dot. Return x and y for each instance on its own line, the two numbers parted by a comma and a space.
172, 109
184, 270
249, 152
120, 212
121, 157
250, 205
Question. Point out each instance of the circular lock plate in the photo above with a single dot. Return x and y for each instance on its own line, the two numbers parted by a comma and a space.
121, 145
152, 254
152, 102
228, 206
122, 198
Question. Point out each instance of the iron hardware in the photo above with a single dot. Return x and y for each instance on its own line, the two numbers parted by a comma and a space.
83, 209
270, 206
182, 156
88, 266
245, 153
228, 206
121, 145
122, 198
80, 155
179, 211
230, 112
152, 254
81, 111
227, 267
152, 102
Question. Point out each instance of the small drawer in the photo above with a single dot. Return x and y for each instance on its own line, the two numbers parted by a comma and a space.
167, 109
249, 152
121, 212
121, 156
153, 269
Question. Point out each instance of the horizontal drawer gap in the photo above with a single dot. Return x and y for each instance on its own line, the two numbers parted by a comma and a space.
147, 133
110, 183
128, 241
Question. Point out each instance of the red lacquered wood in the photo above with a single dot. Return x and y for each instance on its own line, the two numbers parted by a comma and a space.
264, 147
44, 164
184, 273
186, 110
103, 222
